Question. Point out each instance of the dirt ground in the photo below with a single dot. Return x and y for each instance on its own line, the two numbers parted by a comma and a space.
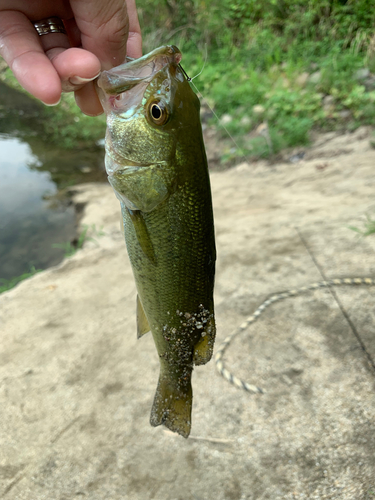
76, 387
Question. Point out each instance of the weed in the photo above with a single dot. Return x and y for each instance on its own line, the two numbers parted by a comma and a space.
98, 232
368, 229
70, 248
11, 283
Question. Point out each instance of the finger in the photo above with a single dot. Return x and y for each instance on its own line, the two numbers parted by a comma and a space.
53, 40
75, 66
104, 29
74, 34
134, 44
87, 99
20, 47
36, 10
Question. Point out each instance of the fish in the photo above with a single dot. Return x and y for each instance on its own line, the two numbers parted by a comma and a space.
156, 163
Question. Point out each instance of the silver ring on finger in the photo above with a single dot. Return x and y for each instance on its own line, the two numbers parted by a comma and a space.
49, 25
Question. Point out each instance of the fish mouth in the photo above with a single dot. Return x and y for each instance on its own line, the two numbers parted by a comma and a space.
121, 89
142, 70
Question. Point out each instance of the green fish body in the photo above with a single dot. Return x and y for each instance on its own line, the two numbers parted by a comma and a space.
156, 163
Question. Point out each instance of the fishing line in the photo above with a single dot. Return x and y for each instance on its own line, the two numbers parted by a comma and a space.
190, 80
204, 63
218, 119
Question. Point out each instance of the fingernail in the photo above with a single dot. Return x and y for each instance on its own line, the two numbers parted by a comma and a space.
53, 104
77, 80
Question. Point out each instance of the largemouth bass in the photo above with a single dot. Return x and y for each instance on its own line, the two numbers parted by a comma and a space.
157, 166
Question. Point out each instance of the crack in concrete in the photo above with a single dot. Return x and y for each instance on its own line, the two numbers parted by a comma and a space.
12, 484
65, 429
338, 302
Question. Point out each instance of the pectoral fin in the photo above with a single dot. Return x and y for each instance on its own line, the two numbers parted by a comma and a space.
142, 234
142, 322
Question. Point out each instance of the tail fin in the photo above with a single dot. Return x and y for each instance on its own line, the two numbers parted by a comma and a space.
173, 402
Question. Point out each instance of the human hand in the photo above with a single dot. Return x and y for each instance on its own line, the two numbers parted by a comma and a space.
99, 36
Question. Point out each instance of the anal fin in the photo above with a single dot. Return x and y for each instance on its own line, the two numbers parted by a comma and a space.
142, 321
204, 348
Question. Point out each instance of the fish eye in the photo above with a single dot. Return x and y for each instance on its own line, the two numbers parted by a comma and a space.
158, 113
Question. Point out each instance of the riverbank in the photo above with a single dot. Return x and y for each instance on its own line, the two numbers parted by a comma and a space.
77, 386
274, 73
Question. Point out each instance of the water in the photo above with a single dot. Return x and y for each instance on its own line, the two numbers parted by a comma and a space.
33, 214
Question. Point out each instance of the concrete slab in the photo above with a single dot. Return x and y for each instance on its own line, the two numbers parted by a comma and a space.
76, 387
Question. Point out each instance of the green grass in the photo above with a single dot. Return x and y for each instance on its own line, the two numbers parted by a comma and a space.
11, 283
292, 107
368, 227
70, 248
257, 52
